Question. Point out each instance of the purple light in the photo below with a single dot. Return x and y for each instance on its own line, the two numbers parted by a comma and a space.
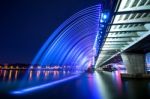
31, 89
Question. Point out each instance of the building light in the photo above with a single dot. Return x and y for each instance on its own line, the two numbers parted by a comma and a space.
11, 67
17, 67
31, 67
39, 67
5, 67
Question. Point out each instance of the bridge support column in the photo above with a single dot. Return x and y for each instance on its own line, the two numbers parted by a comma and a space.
135, 63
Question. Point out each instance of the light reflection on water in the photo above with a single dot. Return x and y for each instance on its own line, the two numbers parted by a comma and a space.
12, 75
13, 79
109, 85
98, 85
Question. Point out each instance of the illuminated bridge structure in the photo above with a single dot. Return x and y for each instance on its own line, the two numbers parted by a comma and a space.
96, 35
128, 35
73, 43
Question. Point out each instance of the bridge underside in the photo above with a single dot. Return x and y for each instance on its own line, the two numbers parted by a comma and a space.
128, 34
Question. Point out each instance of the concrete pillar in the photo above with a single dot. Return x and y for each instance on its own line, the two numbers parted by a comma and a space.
135, 63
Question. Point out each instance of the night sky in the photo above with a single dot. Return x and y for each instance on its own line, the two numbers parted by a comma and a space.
26, 24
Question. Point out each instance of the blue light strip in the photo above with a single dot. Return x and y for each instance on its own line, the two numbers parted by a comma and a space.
66, 40
31, 89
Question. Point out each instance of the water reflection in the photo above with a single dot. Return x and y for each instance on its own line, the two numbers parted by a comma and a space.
94, 86
109, 85
98, 85
12, 75
46, 73
38, 74
16, 74
0, 72
102, 85
4, 74
30, 75
56, 74
19, 79
118, 81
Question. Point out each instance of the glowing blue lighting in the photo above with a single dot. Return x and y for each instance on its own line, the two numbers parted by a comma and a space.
65, 45
31, 89
105, 16
101, 21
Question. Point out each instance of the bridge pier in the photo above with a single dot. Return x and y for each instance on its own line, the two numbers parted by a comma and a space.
134, 62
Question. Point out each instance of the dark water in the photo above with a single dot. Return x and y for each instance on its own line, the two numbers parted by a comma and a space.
98, 85
19, 79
